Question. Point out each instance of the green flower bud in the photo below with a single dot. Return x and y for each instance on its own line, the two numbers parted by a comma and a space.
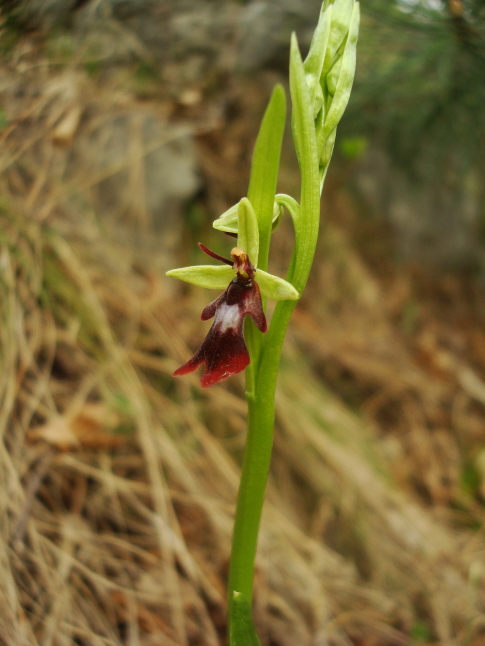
341, 17
333, 76
329, 71
345, 78
313, 64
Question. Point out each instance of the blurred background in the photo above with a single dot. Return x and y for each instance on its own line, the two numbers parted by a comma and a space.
127, 127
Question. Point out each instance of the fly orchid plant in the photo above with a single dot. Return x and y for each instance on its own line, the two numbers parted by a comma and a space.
320, 88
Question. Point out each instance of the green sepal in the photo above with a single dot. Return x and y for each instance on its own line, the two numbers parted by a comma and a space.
228, 220
274, 287
242, 630
219, 277
209, 276
248, 234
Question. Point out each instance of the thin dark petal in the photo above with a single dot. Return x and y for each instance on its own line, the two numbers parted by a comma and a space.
209, 311
215, 255
249, 298
254, 308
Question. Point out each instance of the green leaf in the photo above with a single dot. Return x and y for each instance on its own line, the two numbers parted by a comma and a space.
275, 287
248, 234
346, 77
264, 169
209, 276
242, 632
262, 188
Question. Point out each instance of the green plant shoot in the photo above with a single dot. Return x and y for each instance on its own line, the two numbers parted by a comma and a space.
240, 337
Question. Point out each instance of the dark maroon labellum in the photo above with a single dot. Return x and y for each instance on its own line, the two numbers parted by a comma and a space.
224, 351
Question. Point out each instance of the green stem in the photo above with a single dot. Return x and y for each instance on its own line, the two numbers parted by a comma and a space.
257, 457
265, 355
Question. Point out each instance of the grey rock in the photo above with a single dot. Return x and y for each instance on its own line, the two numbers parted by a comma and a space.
266, 28
194, 38
148, 173
434, 222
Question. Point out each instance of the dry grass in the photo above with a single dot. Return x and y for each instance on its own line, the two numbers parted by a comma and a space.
118, 483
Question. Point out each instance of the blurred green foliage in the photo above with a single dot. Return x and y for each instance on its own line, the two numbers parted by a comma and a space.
8, 32
146, 71
93, 67
353, 147
470, 478
60, 46
420, 632
420, 87
3, 120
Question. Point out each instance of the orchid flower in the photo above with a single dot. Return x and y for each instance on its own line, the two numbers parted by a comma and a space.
224, 350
